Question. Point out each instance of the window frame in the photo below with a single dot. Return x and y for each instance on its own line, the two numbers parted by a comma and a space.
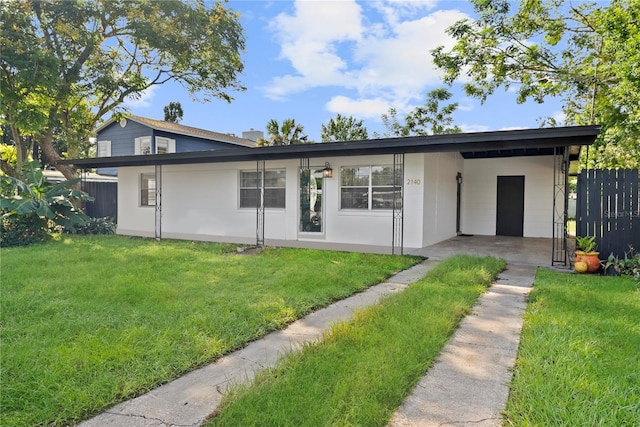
104, 145
147, 193
267, 189
369, 188
138, 150
170, 145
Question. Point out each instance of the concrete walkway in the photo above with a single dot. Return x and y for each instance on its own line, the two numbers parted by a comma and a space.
191, 399
469, 382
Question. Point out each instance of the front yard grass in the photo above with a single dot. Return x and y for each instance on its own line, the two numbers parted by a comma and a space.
90, 321
579, 357
363, 369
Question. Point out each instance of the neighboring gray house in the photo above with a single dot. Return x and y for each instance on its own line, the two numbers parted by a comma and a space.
139, 135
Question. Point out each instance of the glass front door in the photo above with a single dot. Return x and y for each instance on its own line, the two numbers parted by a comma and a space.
311, 205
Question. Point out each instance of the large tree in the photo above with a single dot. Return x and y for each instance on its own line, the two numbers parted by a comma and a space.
427, 119
66, 64
343, 128
585, 53
288, 133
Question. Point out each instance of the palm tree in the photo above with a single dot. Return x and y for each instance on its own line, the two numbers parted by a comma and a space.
289, 133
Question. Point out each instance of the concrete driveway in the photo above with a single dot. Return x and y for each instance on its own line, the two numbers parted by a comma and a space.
515, 250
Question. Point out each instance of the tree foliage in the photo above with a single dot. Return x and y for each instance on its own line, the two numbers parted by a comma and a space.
35, 200
288, 133
173, 112
428, 119
343, 129
65, 64
585, 53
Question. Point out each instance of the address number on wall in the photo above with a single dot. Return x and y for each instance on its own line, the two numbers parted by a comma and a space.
413, 181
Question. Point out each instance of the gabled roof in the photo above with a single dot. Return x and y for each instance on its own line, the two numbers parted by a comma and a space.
525, 142
183, 130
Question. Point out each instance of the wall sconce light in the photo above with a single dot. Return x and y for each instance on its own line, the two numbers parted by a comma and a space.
459, 178
327, 172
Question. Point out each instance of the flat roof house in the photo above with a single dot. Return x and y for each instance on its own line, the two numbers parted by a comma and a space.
382, 195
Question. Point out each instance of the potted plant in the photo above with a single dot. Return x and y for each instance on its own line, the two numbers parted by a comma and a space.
587, 260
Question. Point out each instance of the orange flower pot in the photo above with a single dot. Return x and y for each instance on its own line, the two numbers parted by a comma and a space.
591, 259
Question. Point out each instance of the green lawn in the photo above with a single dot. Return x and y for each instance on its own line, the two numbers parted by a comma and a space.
87, 321
362, 371
579, 358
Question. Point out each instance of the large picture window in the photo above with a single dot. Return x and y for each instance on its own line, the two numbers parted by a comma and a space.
367, 187
147, 189
274, 188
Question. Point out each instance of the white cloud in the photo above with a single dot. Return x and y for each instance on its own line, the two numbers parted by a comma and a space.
560, 117
359, 108
466, 128
466, 104
143, 100
382, 53
513, 128
394, 10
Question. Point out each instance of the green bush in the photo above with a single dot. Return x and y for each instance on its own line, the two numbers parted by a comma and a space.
28, 206
96, 226
22, 231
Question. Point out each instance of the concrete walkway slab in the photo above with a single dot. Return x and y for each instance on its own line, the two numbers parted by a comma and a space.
469, 382
191, 399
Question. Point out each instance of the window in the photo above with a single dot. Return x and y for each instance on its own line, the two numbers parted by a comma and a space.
147, 189
103, 149
274, 188
367, 187
165, 145
143, 145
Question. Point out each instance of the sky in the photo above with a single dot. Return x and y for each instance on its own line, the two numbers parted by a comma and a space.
313, 59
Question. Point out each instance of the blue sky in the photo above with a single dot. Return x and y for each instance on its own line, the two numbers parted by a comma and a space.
312, 59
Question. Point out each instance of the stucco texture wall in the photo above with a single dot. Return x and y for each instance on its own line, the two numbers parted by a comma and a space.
479, 193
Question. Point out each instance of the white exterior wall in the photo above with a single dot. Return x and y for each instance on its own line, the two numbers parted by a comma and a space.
479, 193
440, 194
201, 202
133, 219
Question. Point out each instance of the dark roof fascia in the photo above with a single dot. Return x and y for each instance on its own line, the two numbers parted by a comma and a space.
465, 143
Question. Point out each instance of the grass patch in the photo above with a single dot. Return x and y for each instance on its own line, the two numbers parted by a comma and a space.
363, 369
89, 321
579, 357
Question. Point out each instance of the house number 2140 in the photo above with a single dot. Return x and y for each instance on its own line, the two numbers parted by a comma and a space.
413, 181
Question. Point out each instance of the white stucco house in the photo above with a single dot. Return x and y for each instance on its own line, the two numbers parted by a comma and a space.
383, 195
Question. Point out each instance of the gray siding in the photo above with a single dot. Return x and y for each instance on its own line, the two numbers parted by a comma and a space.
123, 139
189, 143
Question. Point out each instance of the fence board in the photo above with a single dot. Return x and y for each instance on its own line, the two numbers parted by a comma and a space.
106, 199
608, 207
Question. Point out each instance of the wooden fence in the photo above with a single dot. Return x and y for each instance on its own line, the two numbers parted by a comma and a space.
106, 199
608, 207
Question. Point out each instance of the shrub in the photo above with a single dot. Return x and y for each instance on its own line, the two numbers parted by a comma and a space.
96, 226
22, 231
31, 203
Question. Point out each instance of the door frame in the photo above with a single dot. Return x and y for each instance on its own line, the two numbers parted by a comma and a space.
515, 205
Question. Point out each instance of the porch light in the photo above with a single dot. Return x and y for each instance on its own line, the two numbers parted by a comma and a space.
327, 172
459, 178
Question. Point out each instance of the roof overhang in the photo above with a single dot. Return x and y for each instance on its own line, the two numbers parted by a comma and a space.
525, 142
